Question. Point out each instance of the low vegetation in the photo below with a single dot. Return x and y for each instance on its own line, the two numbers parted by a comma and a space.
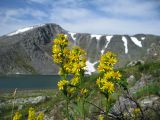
89, 97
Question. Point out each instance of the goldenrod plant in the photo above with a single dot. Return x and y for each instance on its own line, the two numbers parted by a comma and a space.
31, 115
17, 116
71, 62
136, 113
40, 116
109, 78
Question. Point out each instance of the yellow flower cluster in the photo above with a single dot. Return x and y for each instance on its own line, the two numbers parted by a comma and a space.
101, 117
40, 116
75, 80
83, 91
107, 61
77, 61
105, 85
62, 84
71, 90
59, 49
17, 116
61, 40
136, 111
31, 114
70, 61
106, 81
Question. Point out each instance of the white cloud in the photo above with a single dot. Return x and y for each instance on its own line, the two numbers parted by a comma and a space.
129, 8
69, 14
11, 19
102, 17
113, 26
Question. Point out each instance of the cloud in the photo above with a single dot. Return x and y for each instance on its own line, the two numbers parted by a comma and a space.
113, 26
22, 12
142, 18
12, 19
69, 14
96, 16
129, 8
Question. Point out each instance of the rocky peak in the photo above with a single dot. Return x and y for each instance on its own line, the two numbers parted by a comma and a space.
28, 50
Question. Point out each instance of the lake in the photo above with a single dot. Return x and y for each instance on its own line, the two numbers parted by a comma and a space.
29, 81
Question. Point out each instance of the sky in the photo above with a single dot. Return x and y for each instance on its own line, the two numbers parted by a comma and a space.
83, 16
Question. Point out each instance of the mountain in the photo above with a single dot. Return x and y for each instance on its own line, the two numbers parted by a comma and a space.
28, 50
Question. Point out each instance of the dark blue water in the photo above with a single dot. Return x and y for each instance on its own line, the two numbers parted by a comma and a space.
29, 81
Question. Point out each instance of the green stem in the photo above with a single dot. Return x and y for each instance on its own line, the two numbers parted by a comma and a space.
83, 110
67, 108
107, 108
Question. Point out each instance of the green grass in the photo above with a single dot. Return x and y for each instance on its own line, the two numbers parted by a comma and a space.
48, 104
151, 89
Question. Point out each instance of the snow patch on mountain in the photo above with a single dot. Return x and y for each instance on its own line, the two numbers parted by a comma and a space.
143, 38
23, 30
72, 35
136, 41
124, 39
102, 51
90, 67
108, 38
96, 36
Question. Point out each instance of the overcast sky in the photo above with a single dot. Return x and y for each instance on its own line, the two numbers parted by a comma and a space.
91, 16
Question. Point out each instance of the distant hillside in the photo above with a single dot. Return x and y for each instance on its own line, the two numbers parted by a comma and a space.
28, 50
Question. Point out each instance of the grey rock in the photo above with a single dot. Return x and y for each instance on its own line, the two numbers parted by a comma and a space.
148, 101
137, 62
145, 79
20, 107
122, 105
23, 101
131, 79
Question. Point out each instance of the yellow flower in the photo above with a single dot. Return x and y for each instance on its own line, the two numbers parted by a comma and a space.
108, 75
61, 40
108, 86
68, 67
101, 68
101, 117
66, 52
17, 116
57, 58
31, 114
112, 61
136, 111
59, 50
56, 49
83, 91
61, 84
98, 82
71, 90
40, 116
75, 80
117, 75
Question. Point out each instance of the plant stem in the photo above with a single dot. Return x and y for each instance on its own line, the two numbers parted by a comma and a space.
67, 102
83, 110
107, 108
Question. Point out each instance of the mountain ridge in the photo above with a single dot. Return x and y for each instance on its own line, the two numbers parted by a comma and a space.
28, 51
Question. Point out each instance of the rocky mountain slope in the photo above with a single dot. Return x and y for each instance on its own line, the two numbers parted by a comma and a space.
28, 50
